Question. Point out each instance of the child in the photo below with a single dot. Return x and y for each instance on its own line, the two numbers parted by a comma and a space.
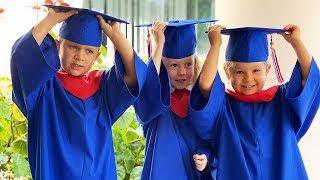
256, 132
163, 103
70, 109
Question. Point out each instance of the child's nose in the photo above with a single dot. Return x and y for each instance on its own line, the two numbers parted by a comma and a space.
249, 77
80, 55
182, 71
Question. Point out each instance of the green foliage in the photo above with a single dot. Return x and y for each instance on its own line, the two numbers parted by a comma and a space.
20, 165
13, 135
101, 61
54, 35
129, 146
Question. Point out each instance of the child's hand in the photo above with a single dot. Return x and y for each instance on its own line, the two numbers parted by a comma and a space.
200, 161
63, 3
157, 31
53, 17
158, 37
292, 35
109, 28
214, 34
56, 17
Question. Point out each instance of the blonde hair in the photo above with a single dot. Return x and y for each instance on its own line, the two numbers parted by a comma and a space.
197, 68
228, 65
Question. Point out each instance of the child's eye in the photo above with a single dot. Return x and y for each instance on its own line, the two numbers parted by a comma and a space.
239, 72
256, 70
73, 47
189, 65
89, 51
174, 65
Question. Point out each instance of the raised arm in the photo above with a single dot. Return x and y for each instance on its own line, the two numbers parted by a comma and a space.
210, 66
157, 31
304, 58
40, 31
112, 30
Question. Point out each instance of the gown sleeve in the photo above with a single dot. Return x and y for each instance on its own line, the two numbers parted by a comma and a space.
304, 100
31, 67
204, 113
155, 94
118, 96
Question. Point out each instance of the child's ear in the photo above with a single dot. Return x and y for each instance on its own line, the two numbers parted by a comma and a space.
268, 66
227, 71
164, 61
58, 42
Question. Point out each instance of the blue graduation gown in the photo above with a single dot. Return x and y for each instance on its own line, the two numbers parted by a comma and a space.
258, 140
68, 138
170, 141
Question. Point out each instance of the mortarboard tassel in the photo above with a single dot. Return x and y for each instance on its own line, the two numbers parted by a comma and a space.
275, 62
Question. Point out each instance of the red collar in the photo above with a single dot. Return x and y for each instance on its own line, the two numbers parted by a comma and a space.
261, 96
180, 102
81, 86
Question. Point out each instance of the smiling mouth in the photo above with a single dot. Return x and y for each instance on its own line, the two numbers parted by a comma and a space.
248, 86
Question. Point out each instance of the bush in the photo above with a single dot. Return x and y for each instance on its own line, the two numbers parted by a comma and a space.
129, 146
13, 136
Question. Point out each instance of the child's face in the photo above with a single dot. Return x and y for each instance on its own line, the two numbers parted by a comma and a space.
181, 72
77, 59
247, 78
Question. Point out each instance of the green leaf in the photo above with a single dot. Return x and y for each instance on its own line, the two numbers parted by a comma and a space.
5, 109
129, 163
103, 51
5, 131
99, 64
3, 159
124, 121
136, 172
19, 146
53, 34
129, 145
4, 79
20, 166
132, 136
121, 173
17, 114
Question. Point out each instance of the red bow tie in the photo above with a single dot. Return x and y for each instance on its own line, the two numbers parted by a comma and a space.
180, 102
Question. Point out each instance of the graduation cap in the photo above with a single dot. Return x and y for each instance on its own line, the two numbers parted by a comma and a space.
180, 37
83, 28
250, 44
